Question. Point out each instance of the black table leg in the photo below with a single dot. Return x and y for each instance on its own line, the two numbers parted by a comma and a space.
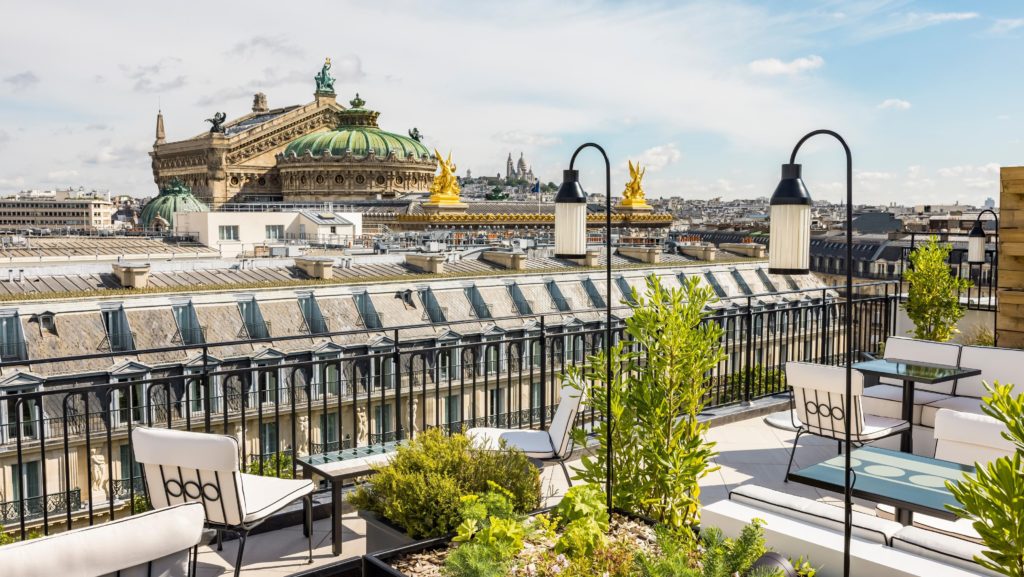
307, 527
336, 529
907, 442
904, 517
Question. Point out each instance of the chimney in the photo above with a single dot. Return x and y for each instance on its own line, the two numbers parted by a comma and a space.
132, 275
259, 103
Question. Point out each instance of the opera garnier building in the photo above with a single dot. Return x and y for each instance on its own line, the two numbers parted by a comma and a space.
321, 151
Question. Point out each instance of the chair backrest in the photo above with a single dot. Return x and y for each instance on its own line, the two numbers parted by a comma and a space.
906, 349
819, 396
151, 543
182, 467
560, 429
1003, 365
968, 438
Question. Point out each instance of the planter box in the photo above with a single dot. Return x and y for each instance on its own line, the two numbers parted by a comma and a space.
382, 535
352, 567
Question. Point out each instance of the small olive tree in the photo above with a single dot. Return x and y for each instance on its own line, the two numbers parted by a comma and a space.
659, 389
933, 299
993, 498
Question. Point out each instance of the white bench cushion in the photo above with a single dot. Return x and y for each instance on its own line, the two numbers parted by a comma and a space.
960, 404
960, 528
536, 444
109, 548
942, 548
887, 401
867, 527
792, 537
1003, 365
266, 495
967, 438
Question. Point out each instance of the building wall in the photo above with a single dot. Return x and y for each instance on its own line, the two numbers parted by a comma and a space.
252, 228
1011, 256
87, 214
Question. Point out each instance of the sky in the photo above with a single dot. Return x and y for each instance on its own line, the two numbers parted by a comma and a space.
710, 96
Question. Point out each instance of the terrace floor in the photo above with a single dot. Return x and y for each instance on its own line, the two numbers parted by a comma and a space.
749, 451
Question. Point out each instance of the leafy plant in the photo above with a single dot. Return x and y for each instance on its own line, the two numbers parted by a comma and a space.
659, 389
490, 536
993, 499
275, 465
583, 517
421, 488
803, 567
933, 298
716, 556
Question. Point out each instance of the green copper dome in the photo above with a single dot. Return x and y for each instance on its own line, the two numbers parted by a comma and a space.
176, 196
357, 133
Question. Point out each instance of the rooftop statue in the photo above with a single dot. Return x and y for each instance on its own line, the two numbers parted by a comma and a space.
176, 186
324, 80
218, 122
414, 134
445, 187
633, 195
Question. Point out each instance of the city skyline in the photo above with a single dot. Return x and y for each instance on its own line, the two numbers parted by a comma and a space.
708, 115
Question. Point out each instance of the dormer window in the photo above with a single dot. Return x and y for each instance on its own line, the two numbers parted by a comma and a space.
316, 324
524, 306
562, 304
47, 322
367, 313
115, 323
596, 300
432, 310
189, 331
12, 340
476, 300
253, 325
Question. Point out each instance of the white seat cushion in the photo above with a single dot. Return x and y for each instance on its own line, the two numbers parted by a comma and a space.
876, 427
266, 495
902, 348
960, 404
967, 438
1003, 365
887, 401
951, 550
536, 444
959, 528
867, 527
109, 548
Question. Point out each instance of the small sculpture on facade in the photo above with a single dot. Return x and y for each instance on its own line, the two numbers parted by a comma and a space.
217, 122
634, 188
99, 474
324, 80
414, 134
445, 187
303, 439
362, 429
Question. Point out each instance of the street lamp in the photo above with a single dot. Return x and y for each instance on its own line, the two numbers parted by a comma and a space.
976, 240
789, 253
574, 242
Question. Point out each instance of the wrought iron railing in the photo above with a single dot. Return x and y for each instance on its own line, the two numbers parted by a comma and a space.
33, 508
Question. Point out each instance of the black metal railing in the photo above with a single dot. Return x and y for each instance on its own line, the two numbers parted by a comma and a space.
391, 392
36, 507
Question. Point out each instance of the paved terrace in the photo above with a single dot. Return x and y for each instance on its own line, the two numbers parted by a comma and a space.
750, 451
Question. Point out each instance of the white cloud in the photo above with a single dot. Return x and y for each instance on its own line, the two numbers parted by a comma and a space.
874, 175
892, 23
776, 67
62, 175
940, 17
1006, 25
276, 44
22, 80
521, 138
109, 154
969, 170
894, 104
659, 157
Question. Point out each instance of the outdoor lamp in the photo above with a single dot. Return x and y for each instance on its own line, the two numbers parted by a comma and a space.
789, 236
570, 217
976, 243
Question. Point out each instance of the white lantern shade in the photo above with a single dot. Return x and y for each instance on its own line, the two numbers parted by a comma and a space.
789, 238
570, 230
976, 247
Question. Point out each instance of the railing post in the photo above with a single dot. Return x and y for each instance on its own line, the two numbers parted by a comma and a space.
749, 361
543, 375
208, 402
397, 359
823, 359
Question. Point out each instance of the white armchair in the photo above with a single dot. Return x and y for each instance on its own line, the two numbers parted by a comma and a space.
820, 404
152, 544
182, 467
552, 444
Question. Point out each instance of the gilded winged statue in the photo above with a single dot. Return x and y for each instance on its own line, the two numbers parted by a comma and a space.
634, 190
445, 185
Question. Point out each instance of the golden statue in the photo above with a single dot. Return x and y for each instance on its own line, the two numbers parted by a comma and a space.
633, 195
444, 191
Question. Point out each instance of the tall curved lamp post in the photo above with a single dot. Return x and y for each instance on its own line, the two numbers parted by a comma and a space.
976, 240
790, 253
571, 242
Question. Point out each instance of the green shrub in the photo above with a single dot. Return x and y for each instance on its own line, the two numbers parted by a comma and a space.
271, 465
421, 488
583, 516
489, 536
660, 451
933, 296
993, 498
714, 556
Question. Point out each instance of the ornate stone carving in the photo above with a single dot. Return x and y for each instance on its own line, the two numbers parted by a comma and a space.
362, 427
217, 122
98, 463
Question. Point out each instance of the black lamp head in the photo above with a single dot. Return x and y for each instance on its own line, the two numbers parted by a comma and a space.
976, 230
571, 191
791, 189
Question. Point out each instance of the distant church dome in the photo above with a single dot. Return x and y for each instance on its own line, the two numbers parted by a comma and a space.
174, 197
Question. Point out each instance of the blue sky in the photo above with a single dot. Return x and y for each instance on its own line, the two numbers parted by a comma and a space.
711, 95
